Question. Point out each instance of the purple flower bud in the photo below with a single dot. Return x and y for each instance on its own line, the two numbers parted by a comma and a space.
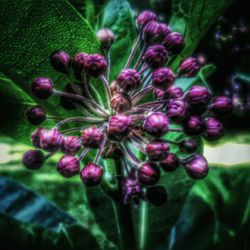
177, 110
80, 62
106, 37
145, 17
156, 195
159, 94
174, 92
163, 78
189, 67
170, 163
68, 166
156, 124
196, 166
193, 125
35, 137
92, 137
155, 56
148, 173
35, 115
33, 159
120, 102
42, 87
198, 96
50, 140
120, 126
174, 42
71, 145
214, 129
129, 79
188, 145
60, 61
91, 174
221, 106
113, 87
157, 150
96, 65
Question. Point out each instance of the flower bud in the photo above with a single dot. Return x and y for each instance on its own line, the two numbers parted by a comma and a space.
35, 115
198, 96
214, 129
50, 140
113, 87
196, 166
68, 166
96, 65
159, 94
163, 78
189, 67
174, 42
193, 125
91, 174
129, 79
120, 102
170, 163
42, 88
157, 150
221, 106
148, 173
188, 145
92, 137
155, 56
33, 159
60, 61
156, 195
35, 137
119, 126
156, 124
71, 145
144, 17
174, 92
106, 37
177, 110
80, 62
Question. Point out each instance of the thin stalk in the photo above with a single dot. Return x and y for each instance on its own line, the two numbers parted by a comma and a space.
108, 64
151, 104
85, 87
71, 130
106, 84
100, 151
138, 96
130, 155
176, 130
139, 60
83, 154
79, 119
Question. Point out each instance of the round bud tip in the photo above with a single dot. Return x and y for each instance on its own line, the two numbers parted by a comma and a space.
163, 78
221, 106
129, 79
91, 174
71, 145
35, 115
106, 38
174, 42
214, 129
177, 110
189, 67
96, 66
157, 150
148, 173
33, 159
188, 146
42, 87
92, 137
120, 102
144, 17
60, 61
68, 166
170, 163
194, 125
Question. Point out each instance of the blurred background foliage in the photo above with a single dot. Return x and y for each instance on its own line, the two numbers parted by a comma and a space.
43, 210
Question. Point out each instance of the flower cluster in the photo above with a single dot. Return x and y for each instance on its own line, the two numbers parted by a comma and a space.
128, 122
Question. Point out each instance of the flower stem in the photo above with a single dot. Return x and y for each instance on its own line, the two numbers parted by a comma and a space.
106, 84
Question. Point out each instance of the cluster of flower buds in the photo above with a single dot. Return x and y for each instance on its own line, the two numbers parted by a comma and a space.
128, 122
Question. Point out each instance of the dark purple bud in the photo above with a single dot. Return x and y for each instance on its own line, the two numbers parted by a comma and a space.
189, 67
132, 191
33, 159
35, 115
145, 17
71, 145
80, 62
198, 96
129, 79
120, 126
214, 129
120, 102
177, 110
92, 137
42, 87
174, 42
157, 150
221, 106
188, 145
96, 65
174, 92
106, 38
35, 137
91, 174
170, 163
148, 173
50, 140
159, 94
155, 56
163, 78
194, 125
156, 195
156, 124
60, 61
196, 166
68, 166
